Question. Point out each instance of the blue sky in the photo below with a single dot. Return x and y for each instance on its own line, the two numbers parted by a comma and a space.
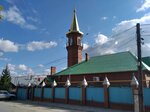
32, 35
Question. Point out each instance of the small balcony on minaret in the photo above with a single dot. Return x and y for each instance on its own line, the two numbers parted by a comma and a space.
76, 42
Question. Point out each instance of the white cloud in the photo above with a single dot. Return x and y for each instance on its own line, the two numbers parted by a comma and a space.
23, 67
126, 24
40, 45
40, 65
114, 17
46, 71
14, 15
1, 54
4, 59
30, 71
123, 38
104, 18
85, 46
103, 45
109, 45
26, 69
145, 6
8, 46
12, 69
32, 19
101, 39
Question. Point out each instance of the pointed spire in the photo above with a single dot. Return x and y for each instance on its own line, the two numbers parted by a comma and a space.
74, 26
68, 83
43, 84
29, 85
134, 82
84, 82
106, 82
54, 83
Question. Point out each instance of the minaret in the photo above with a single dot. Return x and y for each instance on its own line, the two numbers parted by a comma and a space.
74, 45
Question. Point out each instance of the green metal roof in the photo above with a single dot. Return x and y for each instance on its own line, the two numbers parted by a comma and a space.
146, 60
74, 26
119, 62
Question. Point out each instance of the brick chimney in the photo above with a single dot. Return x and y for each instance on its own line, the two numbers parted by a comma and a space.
86, 57
53, 70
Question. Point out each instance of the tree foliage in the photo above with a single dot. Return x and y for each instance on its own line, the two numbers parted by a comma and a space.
1, 8
5, 81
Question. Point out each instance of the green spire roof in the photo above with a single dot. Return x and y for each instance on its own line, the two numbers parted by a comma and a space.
74, 26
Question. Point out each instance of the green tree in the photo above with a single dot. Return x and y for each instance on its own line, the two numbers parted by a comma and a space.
5, 81
1, 8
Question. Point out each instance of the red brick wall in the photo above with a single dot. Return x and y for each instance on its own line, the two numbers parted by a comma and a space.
118, 79
74, 49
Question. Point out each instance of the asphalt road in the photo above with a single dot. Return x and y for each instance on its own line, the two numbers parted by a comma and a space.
28, 106
21, 107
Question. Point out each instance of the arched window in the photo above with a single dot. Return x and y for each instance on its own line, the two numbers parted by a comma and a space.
79, 41
70, 41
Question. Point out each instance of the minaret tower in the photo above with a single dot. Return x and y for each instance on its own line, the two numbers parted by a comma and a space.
74, 45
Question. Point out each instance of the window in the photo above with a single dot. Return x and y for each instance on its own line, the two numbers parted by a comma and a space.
79, 41
70, 41
95, 78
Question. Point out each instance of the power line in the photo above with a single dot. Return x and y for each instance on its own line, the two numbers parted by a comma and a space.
122, 32
114, 45
54, 61
145, 25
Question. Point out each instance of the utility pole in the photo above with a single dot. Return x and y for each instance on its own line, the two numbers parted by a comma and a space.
140, 75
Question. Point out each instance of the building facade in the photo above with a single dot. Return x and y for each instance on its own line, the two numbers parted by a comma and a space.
118, 68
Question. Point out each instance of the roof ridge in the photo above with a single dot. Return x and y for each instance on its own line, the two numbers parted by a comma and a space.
112, 54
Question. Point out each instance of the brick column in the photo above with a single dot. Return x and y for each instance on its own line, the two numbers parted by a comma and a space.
53, 94
83, 95
28, 88
84, 85
54, 84
42, 93
32, 93
17, 91
67, 95
67, 84
106, 97
106, 84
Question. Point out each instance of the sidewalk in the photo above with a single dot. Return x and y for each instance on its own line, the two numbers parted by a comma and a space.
71, 107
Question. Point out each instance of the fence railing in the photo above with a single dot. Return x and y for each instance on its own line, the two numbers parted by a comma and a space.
112, 97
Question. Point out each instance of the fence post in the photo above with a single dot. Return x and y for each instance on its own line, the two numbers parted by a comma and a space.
106, 85
53, 94
54, 84
83, 95
135, 84
27, 94
67, 84
33, 93
17, 91
84, 84
67, 94
42, 91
